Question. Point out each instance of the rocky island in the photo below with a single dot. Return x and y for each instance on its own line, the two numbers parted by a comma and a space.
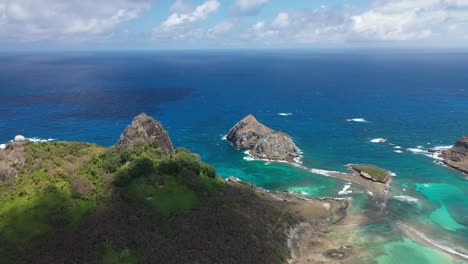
262, 142
370, 172
456, 157
142, 201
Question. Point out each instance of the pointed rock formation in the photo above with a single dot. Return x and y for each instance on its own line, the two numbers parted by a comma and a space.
261, 141
247, 132
142, 130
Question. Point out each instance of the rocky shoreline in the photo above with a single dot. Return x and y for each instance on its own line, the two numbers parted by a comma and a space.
309, 240
455, 157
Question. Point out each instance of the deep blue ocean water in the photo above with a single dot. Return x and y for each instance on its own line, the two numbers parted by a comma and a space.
410, 99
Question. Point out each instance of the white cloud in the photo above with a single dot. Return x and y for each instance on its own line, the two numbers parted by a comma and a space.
58, 19
388, 21
248, 7
281, 20
200, 13
401, 20
221, 28
180, 6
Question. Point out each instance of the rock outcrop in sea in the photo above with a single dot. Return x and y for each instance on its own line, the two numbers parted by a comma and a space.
143, 130
261, 141
457, 156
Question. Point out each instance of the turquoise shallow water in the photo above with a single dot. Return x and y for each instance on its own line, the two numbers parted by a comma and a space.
409, 99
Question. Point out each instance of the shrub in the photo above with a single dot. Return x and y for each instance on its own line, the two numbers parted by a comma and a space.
208, 170
81, 187
142, 167
111, 160
188, 161
169, 167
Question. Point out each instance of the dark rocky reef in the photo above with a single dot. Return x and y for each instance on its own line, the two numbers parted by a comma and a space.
261, 141
143, 130
456, 157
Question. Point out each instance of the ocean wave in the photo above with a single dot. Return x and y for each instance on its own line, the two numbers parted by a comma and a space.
398, 151
357, 120
224, 137
346, 189
40, 140
323, 172
37, 139
397, 147
285, 114
433, 153
416, 150
440, 244
378, 140
406, 198
248, 157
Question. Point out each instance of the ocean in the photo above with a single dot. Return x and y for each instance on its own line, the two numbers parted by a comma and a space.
335, 105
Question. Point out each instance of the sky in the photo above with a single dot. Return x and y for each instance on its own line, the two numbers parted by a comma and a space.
232, 24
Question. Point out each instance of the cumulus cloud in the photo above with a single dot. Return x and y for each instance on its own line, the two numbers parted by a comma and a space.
405, 21
56, 19
200, 13
248, 7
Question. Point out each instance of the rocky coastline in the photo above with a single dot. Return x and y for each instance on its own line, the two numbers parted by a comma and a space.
456, 157
309, 239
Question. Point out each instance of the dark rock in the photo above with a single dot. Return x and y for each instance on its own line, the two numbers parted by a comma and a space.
458, 152
247, 132
142, 130
261, 141
275, 146
456, 157
340, 253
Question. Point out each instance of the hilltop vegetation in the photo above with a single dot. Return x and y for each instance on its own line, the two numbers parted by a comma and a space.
81, 203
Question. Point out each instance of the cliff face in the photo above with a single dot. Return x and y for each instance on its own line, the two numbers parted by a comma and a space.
247, 132
457, 156
142, 130
262, 141
275, 146
458, 152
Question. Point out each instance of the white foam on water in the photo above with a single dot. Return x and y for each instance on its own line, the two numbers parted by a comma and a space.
378, 140
437, 243
398, 151
285, 114
224, 137
248, 157
416, 150
357, 120
323, 172
2, 146
346, 189
406, 198
397, 147
40, 140
437, 151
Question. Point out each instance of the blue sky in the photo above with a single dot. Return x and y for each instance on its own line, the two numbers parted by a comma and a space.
232, 24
